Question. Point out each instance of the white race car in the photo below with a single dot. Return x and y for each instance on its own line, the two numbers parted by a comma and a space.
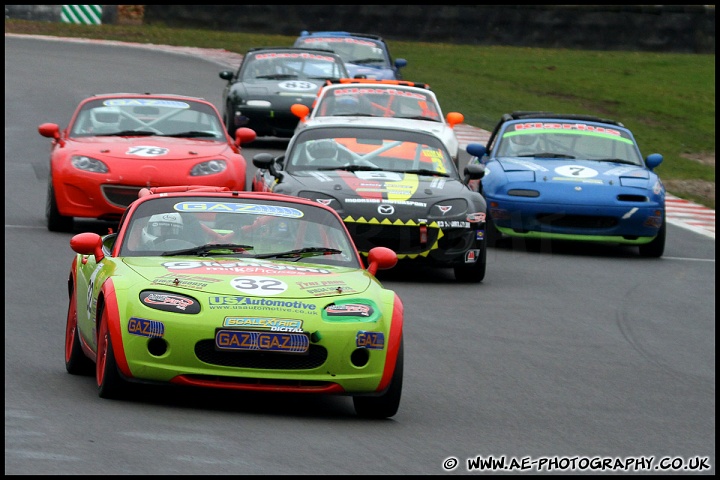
366, 101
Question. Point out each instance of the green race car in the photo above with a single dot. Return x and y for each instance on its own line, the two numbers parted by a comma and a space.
207, 287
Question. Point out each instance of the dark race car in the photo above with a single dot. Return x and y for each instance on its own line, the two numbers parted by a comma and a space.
365, 55
570, 177
269, 81
393, 186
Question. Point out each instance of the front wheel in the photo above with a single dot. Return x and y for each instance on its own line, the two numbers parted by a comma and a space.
473, 272
109, 382
55, 221
656, 247
387, 404
76, 363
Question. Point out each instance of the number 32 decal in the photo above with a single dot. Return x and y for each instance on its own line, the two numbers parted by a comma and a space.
258, 285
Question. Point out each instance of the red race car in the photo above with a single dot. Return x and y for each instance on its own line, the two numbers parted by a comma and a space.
116, 144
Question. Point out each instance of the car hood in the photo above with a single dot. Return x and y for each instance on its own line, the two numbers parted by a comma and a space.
148, 148
361, 192
220, 276
287, 89
564, 170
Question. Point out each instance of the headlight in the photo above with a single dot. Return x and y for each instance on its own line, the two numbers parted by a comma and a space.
208, 168
88, 164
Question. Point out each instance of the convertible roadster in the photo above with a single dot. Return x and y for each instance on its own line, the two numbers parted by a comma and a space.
211, 288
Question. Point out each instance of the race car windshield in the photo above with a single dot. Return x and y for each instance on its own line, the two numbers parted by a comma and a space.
232, 227
569, 141
147, 116
369, 149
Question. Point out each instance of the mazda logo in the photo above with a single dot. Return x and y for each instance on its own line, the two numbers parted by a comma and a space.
386, 209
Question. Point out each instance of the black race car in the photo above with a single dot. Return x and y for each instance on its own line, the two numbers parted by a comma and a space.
393, 186
269, 81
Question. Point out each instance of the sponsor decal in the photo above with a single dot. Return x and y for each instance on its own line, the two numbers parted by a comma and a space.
453, 224
523, 163
254, 303
472, 255
480, 235
566, 126
393, 92
370, 340
657, 188
325, 287
355, 41
265, 323
232, 207
349, 310
147, 151
477, 217
169, 302
185, 281
596, 181
313, 56
408, 203
145, 328
154, 102
444, 208
246, 267
262, 341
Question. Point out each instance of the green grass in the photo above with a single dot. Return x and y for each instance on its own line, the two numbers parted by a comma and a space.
666, 99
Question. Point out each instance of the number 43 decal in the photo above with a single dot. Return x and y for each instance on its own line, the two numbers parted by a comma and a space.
146, 151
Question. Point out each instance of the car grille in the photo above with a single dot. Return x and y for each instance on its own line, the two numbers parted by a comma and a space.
120, 195
402, 239
576, 221
205, 351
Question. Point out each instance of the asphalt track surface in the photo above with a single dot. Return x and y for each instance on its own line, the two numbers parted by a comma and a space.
680, 212
563, 352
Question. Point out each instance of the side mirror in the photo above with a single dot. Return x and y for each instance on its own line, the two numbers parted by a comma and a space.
301, 111
454, 118
226, 75
653, 160
88, 244
244, 135
381, 258
265, 161
51, 130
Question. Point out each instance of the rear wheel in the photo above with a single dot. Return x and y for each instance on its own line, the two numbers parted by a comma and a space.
473, 272
76, 362
387, 404
656, 247
109, 382
55, 221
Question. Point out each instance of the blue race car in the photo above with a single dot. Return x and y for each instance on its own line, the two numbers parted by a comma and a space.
570, 177
365, 55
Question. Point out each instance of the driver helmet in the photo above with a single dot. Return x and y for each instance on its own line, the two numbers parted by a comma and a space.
162, 226
347, 105
324, 149
105, 119
525, 141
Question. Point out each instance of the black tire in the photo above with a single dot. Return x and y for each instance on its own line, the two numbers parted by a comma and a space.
229, 119
656, 248
475, 272
492, 234
76, 363
110, 383
387, 404
55, 221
